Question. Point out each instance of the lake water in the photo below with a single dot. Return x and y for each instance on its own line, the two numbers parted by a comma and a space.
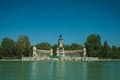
18, 70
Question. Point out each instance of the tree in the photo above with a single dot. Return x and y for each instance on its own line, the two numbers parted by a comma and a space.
0, 52
23, 46
44, 46
93, 45
8, 48
67, 47
119, 52
115, 52
106, 51
31, 51
75, 46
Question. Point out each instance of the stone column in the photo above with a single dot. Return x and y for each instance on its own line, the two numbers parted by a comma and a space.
51, 52
63, 52
84, 53
34, 52
57, 51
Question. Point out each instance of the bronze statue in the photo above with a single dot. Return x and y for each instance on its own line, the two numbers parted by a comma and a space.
60, 36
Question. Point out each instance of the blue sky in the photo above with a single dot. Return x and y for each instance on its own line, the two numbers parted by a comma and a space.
45, 20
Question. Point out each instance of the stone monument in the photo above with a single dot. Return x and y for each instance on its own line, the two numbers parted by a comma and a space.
34, 52
60, 49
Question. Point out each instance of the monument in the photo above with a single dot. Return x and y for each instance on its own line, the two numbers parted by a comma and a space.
61, 53
60, 48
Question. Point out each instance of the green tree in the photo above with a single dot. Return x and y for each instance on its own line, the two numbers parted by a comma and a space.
106, 51
115, 52
23, 46
44, 46
8, 48
31, 51
0, 52
75, 46
67, 47
93, 45
119, 52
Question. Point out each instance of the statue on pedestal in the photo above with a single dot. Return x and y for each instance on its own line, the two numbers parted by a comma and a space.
60, 37
60, 49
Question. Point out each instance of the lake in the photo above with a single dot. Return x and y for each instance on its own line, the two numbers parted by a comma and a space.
26, 70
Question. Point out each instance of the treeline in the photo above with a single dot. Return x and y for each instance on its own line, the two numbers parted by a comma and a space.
96, 49
16, 49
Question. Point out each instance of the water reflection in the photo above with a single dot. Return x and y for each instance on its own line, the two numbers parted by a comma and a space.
53, 70
63, 70
39, 71
84, 71
56, 71
111, 70
94, 71
73, 71
33, 70
59, 71
13, 71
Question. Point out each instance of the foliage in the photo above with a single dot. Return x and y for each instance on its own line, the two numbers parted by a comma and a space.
73, 46
11, 49
106, 51
31, 51
23, 46
93, 45
7, 48
115, 52
67, 47
44, 46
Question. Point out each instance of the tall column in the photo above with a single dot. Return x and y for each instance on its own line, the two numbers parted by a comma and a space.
51, 52
60, 49
63, 52
84, 53
34, 52
57, 51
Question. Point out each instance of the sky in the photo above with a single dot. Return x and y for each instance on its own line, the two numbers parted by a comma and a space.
45, 20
